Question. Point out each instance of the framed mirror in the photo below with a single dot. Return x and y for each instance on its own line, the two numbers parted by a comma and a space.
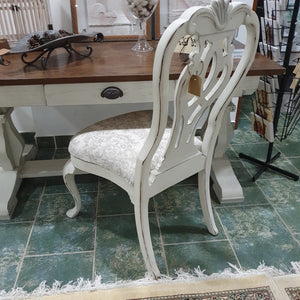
170, 10
112, 18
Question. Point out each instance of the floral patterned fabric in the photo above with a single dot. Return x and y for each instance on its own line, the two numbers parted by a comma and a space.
115, 143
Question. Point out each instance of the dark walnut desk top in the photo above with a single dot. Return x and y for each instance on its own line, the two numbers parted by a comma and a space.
109, 62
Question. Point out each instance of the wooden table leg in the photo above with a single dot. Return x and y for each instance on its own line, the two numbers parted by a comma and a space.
225, 184
11, 149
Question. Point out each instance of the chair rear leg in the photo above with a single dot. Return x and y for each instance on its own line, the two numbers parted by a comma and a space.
68, 176
144, 236
205, 200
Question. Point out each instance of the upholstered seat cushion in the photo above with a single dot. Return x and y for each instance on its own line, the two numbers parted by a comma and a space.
115, 143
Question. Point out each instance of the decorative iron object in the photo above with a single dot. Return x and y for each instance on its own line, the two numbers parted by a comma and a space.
185, 42
45, 42
2, 60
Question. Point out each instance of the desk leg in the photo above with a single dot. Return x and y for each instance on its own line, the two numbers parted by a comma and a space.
11, 149
225, 184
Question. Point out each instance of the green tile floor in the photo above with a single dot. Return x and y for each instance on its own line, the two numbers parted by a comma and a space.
41, 243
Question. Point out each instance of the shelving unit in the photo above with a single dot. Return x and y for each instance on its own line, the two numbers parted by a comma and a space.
277, 98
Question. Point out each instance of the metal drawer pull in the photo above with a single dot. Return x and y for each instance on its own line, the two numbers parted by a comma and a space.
112, 93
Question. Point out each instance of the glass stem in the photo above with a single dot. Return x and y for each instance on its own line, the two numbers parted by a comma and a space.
142, 27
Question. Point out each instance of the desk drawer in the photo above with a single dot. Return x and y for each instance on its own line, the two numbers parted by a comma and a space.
22, 95
90, 93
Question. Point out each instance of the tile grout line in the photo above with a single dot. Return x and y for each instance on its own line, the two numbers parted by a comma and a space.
239, 205
266, 196
228, 239
95, 233
28, 239
195, 242
279, 216
120, 215
56, 254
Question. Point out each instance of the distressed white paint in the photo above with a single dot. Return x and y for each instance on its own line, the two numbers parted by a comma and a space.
214, 28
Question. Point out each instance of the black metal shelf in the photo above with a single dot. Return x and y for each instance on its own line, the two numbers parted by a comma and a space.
292, 113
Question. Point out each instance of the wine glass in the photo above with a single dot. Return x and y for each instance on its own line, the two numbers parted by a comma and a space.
142, 11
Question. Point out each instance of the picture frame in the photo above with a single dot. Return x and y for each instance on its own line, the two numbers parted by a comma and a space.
169, 10
111, 18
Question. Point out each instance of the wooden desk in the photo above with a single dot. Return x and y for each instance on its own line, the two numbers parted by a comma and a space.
71, 80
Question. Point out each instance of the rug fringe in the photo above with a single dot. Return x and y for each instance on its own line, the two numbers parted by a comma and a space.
181, 276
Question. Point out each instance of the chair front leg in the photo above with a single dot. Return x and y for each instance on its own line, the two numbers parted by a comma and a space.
69, 179
205, 200
144, 236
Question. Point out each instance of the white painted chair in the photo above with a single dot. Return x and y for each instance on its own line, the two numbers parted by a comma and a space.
141, 153
21, 17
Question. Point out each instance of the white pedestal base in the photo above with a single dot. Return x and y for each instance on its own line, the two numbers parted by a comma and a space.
9, 183
225, 184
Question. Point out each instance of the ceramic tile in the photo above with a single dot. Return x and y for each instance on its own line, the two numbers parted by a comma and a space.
45, 153
62, 268
258, 150
244, 124
118, 254
243, 137
13, 239
26, 209
45, 142
178, 199
296, 162
253, 195
283, 191
294, 135
54, 232
241, 173
281, 163
276, 251
62, 141
246, 106
28, 199
186, 228
31, 187
258, 235
259, 221
85, 183
8, 271
231, 154
211, 257
29, 137
290, 214
61, 153
113, 199
289, 149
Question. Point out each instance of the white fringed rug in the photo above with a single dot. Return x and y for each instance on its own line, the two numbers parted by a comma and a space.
264, 283
258, 287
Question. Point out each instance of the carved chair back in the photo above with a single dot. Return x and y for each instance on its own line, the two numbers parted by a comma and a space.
204, 88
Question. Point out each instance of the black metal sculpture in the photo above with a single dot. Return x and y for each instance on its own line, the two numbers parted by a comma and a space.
2, 60
45, 42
